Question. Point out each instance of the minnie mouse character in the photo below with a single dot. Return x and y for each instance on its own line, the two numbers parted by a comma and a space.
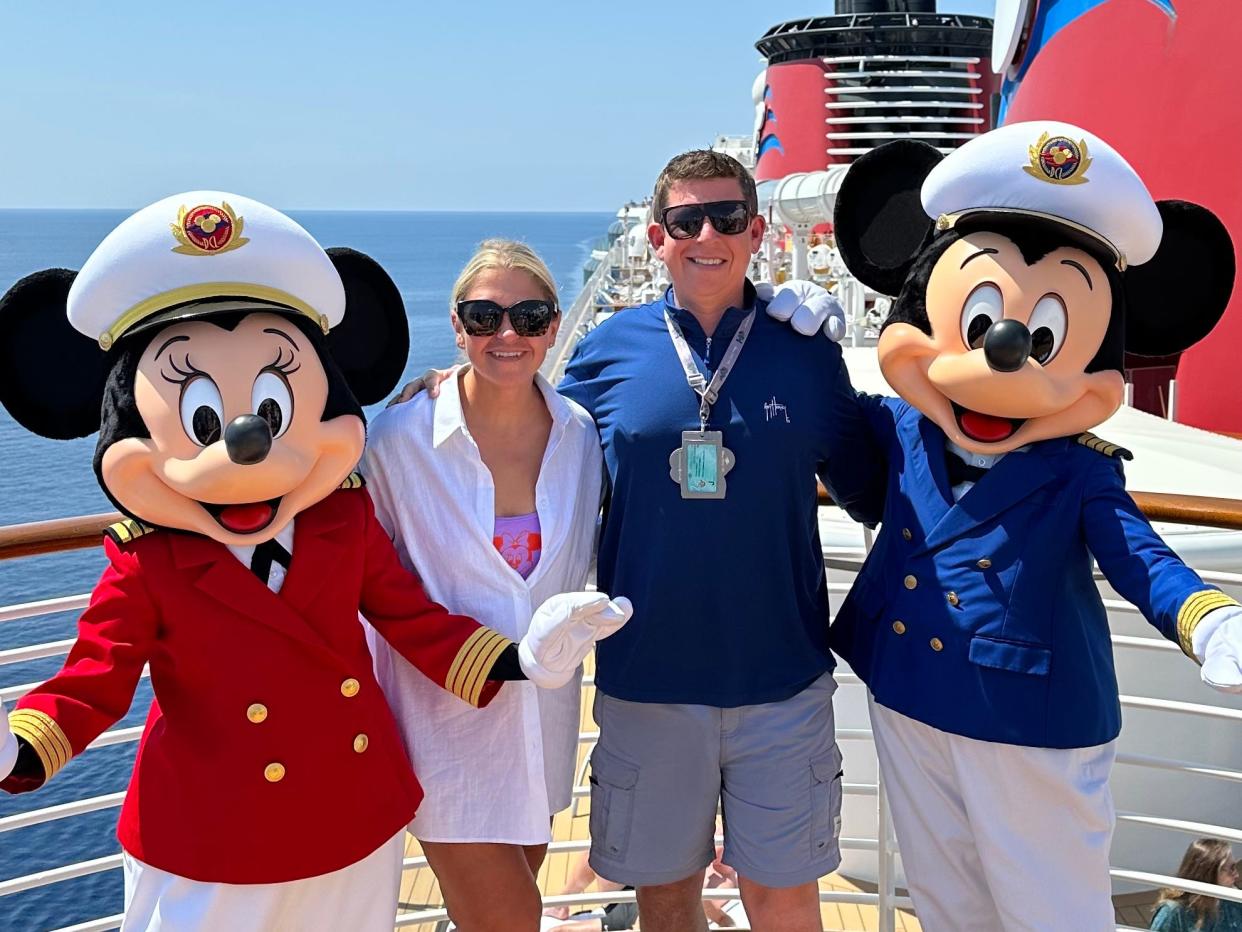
1025, 264
224, 363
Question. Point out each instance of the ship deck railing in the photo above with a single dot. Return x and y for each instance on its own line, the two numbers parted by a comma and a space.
84, 532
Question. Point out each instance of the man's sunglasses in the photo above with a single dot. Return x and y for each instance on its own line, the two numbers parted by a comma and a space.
684, 221
482, 318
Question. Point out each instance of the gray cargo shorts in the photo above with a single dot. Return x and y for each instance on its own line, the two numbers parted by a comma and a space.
659, 771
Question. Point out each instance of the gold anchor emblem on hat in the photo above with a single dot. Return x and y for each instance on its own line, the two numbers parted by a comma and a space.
1058, 160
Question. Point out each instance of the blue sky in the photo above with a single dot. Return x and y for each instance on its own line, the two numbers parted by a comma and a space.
485, 105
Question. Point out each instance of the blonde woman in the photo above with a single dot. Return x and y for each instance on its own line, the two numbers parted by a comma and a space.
491, 490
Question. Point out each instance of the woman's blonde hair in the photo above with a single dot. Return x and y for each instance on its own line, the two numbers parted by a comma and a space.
503, 254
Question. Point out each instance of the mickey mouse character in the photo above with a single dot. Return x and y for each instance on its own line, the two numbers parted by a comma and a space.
225, 374
1025, 263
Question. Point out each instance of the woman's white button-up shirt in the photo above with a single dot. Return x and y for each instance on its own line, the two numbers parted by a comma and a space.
499, 773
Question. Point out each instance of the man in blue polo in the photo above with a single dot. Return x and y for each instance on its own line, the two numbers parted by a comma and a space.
715, 421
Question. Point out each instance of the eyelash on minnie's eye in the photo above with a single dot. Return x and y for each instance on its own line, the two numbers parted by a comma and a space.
189, 372
283, 366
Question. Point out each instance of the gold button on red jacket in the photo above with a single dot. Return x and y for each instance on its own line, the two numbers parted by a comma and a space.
205, 800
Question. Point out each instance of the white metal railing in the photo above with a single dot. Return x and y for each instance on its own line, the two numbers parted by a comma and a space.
863, 150
573, 320
899, 118
943, 59
898, 73
902, 104
904, 89
903, 134
885, 899
43, 607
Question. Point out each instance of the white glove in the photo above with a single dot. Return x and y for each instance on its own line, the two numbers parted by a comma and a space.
9, 747
806, 307
1217, 643
562, 632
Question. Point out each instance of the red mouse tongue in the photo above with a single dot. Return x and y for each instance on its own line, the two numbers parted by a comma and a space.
985, 427
245, 519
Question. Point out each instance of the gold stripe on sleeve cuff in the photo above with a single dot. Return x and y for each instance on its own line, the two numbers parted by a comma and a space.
488, 660
1191, 613
40, 731
461, 663
474, 668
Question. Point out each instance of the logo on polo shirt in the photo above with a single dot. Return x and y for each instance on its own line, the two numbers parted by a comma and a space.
206, 230
774, 409
1058, 160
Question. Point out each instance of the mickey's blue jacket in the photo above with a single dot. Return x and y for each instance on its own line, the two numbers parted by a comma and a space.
981, 617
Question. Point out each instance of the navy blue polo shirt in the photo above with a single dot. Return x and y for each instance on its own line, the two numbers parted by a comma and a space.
730, 601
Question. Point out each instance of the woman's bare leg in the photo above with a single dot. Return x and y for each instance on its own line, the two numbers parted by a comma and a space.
488, 887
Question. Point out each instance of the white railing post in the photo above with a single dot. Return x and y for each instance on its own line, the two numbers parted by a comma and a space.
885, 846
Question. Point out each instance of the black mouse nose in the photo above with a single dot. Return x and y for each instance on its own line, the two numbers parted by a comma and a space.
1007, 345
248, 439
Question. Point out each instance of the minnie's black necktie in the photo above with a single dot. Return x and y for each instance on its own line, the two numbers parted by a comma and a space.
265, 554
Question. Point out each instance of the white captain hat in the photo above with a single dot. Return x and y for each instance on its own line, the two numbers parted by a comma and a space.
185, 254
1048, 169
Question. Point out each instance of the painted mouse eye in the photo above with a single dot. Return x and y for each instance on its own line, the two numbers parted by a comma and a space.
984, 306
270, 399
1047, 325
202, 410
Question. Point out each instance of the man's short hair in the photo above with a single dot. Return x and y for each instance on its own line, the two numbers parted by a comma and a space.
703, 165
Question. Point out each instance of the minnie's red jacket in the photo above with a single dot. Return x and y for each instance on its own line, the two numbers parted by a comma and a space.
269, 754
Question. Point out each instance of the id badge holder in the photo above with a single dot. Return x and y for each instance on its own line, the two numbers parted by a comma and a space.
699, 465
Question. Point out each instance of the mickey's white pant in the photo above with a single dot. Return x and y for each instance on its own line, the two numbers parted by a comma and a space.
998, 836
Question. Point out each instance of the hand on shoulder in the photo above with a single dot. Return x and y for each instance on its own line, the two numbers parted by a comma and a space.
429, 382
806, 307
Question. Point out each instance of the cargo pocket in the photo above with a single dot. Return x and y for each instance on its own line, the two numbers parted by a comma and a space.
612, 803
826, 776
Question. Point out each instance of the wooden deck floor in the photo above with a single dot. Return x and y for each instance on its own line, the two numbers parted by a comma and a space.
420, 891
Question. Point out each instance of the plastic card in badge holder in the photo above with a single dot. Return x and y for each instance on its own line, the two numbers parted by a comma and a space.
699, 465
701, 472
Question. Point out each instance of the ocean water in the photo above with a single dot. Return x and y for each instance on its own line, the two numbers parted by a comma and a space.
45, 479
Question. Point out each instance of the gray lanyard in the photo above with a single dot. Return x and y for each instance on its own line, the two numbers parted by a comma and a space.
707, 392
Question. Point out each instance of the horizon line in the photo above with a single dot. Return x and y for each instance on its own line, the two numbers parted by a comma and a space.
360, 210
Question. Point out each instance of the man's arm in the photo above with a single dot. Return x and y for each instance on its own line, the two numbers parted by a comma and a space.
855, 468
578, 383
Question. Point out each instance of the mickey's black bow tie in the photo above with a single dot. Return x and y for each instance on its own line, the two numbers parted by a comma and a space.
961, 471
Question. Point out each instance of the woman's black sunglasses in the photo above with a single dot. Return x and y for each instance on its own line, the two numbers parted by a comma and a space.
482, 318
684, 221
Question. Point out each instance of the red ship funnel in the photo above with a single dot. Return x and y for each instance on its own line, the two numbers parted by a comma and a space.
838, 86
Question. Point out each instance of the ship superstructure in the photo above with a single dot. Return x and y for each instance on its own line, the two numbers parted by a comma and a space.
838, 86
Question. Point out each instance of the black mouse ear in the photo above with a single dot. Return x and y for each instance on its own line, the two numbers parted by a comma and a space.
372, 341
879, 222
51, 377
1175, 299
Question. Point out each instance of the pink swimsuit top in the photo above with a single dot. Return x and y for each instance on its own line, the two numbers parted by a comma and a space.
517, 538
